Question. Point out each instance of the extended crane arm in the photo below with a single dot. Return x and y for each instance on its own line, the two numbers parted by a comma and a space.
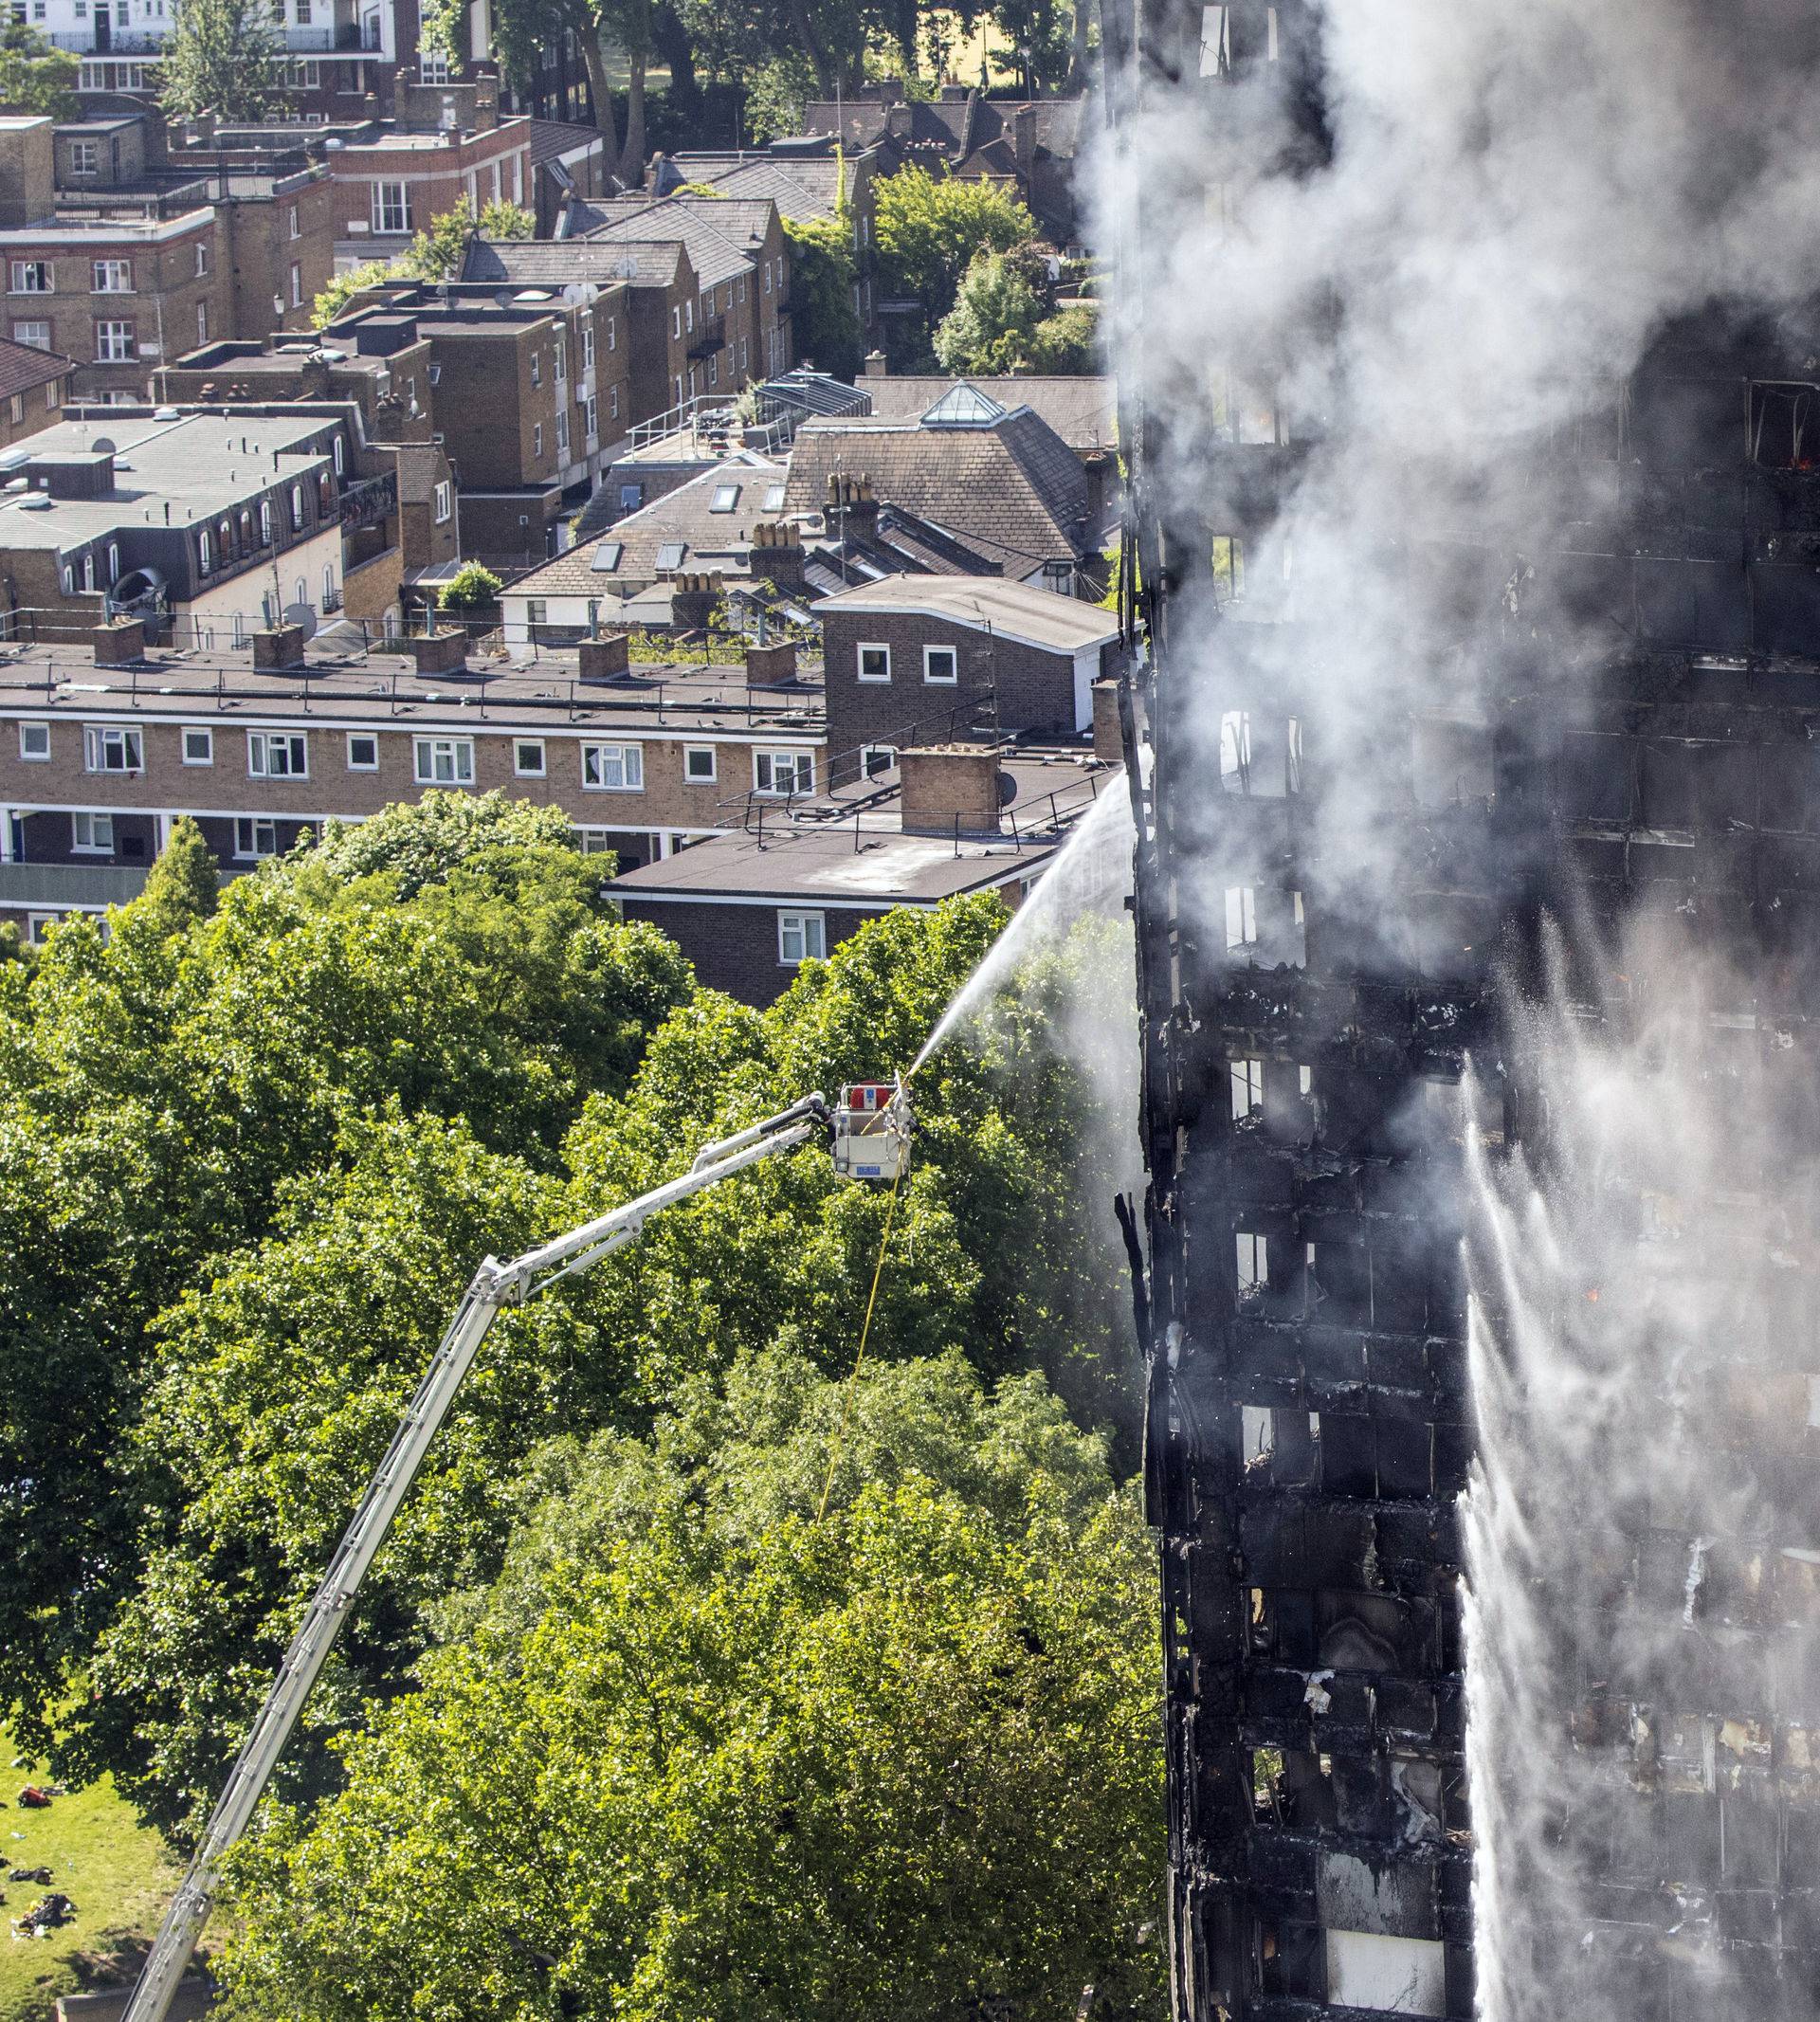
495, 1285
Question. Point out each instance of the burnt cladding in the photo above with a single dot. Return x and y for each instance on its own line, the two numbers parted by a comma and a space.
1407, 709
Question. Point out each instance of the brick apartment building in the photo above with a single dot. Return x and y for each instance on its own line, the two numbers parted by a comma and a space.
393, 182
751, 906
911, 658
119, 275
736, 328
275, 221
810, 179
221, 521
661, 285
96, 761
527, 395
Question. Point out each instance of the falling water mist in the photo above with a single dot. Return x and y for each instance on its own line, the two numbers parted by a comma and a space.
1644, 1531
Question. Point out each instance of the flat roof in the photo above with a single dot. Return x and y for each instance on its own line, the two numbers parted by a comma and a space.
847, 849
381, 688
200, 464
1015, 610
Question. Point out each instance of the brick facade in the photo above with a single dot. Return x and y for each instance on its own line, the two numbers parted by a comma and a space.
1035, 688
734, 947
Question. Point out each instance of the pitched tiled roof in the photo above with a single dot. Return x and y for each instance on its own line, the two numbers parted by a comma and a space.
722, 234
802, 186
1041, 617
682, 519
24, 367
1082, 410
550, 137
1013, 491
556, 263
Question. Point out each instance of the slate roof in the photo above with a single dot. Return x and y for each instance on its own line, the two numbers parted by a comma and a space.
558, 263
23, 366
1014, 490
552, 137
802, 186
1082, 410
722, 234
682, 519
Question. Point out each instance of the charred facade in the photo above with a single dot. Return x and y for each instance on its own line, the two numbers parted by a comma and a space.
1620, 725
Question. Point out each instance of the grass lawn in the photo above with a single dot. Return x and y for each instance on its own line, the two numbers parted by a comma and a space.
116, 1873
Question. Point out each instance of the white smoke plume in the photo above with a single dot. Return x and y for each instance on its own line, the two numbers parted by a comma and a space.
1417, 294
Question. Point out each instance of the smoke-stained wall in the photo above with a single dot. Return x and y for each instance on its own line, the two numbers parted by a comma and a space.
1471, 391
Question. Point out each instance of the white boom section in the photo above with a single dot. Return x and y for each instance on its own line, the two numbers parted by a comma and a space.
495, 1284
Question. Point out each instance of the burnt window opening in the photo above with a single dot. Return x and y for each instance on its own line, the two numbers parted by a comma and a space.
1260, 756
1783, 436
1453, 765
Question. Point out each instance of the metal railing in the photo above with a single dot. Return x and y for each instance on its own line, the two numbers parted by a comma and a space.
54, 885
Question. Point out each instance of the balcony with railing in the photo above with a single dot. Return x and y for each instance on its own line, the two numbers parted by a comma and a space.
710, 336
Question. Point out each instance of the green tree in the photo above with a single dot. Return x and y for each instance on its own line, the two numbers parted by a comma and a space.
931, 229
776, 96
1067, 342
35, 76
473, 587
434, 254
222, 56
184, 884
823, 322
700, 1755
992, 326
158, 1090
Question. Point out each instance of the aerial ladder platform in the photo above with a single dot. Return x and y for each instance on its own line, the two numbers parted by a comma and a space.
867, 1135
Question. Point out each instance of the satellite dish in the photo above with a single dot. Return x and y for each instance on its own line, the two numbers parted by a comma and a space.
1007, 790
303, 615
103, 446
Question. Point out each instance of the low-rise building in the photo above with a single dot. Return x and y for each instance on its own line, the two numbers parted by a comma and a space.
97, 760
804, 872
32, 386
912, 658
222, 522
658, 280
1000, 479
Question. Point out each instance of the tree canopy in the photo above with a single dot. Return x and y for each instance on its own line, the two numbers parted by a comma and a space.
434, 254
1000, 324
621, 1715
35, 76
824, 324
222, 56
932, 227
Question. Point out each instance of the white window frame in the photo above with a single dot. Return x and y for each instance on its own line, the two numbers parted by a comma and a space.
454, 756
872, 646
598, 760
363, 765
444, 502
869, 751
290, 748
115, 341
30, 734
931, 677
532, 748
19, 277
101, 741
112, 277
198, 744
390, 200
247, 837
586, 347
690, 754
809, 931
765, 766
93, 823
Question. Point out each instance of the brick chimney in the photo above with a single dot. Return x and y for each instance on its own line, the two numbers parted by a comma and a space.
777, 554
851, 508
877, 366
1109, 740
692, 601
1024, 140
950, 786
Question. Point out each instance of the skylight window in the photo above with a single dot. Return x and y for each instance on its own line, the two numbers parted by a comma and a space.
725, 497
671, 556
607, 554
773, 498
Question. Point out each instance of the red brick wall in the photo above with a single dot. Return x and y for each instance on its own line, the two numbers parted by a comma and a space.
734, 947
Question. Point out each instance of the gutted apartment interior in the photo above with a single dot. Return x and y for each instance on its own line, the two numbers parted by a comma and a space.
1643, 737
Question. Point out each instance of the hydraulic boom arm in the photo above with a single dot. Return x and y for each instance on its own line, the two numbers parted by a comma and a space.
495, 1284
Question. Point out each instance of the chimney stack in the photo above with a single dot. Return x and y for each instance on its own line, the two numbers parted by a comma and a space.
776, 553
692, 601
950, 789
852, 508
